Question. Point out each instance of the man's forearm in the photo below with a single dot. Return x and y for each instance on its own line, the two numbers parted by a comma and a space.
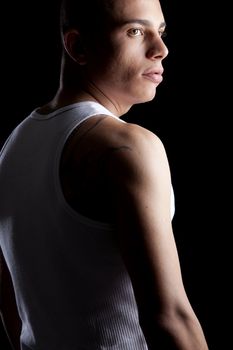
177, 334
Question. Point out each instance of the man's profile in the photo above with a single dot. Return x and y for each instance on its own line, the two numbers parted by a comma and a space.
87, 200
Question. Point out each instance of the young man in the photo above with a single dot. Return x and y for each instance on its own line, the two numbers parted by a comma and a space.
86, 199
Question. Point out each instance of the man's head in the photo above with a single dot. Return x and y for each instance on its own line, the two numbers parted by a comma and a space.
118, 45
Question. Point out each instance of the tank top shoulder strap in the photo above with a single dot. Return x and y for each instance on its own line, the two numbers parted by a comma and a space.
80, 111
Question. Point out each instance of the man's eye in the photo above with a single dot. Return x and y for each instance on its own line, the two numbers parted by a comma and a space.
135, 32
163, 33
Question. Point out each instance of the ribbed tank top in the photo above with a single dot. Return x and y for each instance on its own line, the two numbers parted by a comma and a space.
72, 288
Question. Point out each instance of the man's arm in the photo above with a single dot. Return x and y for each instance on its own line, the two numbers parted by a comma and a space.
8, 308
139, 179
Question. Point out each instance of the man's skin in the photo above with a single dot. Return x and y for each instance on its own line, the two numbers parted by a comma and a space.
119, 172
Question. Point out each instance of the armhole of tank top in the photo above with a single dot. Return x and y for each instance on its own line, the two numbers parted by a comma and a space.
58, 189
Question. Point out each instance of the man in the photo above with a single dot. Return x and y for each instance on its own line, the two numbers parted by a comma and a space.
87, 202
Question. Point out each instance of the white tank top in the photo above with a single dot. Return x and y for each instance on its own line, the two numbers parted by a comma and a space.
72, 288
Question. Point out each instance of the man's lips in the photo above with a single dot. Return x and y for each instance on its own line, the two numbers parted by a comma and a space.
154, 75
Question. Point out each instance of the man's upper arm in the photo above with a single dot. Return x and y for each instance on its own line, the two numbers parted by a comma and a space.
140, 180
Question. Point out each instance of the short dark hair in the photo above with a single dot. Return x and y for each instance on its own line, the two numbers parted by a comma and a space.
83, 15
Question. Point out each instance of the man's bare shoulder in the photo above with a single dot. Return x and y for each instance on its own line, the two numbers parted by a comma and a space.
120, 146
132, 149
116, 133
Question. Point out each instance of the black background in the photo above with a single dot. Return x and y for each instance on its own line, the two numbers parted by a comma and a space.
182, 115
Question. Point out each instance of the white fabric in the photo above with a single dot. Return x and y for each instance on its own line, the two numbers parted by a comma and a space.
72, 289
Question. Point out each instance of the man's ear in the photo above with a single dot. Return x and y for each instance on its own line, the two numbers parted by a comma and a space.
74, 46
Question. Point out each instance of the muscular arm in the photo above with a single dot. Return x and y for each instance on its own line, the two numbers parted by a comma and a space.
140, 180
8, 309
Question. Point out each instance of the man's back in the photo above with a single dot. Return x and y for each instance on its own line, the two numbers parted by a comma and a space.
68, 274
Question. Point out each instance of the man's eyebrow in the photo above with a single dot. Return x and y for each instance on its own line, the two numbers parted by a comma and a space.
144, 22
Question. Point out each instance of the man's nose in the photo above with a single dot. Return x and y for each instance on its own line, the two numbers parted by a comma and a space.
157, 49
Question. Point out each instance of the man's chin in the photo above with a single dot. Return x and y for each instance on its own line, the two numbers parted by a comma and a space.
148, 97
